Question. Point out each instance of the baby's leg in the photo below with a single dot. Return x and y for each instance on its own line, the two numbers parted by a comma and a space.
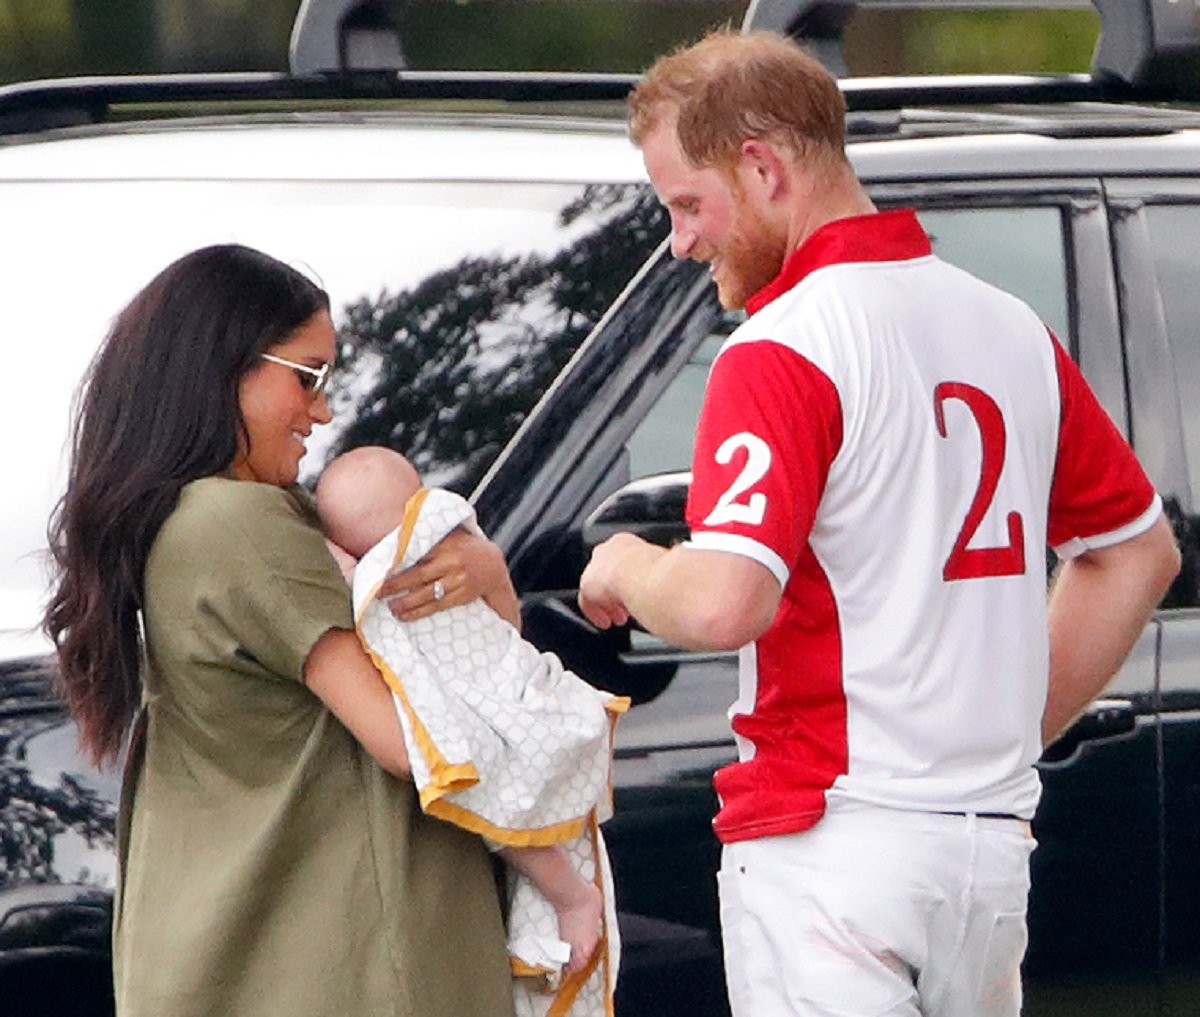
578, 904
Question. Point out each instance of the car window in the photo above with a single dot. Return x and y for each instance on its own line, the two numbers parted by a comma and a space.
456, 303
1019, 249
1173, 248
445, 365
662, 441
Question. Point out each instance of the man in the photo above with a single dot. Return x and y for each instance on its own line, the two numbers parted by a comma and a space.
885, 448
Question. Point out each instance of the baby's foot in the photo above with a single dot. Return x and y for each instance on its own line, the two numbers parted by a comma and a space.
579, 924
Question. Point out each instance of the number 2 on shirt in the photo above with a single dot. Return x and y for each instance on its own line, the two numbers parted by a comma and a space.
758, 461
981, 562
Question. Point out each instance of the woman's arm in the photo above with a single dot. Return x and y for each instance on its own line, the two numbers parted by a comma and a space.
342, 676
468, 566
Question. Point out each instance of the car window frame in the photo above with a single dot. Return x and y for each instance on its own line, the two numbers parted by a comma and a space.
568, 463
1157, 430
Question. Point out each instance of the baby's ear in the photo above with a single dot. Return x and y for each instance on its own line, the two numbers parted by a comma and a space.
345, 560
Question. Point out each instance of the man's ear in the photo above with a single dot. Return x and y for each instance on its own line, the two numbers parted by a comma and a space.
762, 167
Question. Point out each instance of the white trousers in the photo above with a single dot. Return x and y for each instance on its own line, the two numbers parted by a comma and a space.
877, 911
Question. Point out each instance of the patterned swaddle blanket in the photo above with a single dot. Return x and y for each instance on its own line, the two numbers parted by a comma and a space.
502, 741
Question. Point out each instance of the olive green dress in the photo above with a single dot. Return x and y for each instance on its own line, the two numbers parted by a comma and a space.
270, 867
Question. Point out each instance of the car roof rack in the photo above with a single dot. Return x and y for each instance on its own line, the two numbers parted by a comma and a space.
339, 36
72, 102
1147, 49
351, 50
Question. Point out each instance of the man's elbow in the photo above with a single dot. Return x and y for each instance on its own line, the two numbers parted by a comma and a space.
732, 627
1160, 557
1169, 564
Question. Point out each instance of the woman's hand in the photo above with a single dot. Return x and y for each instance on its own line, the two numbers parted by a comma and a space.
462, 567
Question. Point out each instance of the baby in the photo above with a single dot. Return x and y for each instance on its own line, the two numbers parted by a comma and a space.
363, 497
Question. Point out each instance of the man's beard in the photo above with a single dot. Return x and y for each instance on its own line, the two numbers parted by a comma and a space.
751, 257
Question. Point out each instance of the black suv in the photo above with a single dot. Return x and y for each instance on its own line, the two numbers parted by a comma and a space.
510, 319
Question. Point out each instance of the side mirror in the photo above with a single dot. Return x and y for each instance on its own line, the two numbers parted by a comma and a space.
652, 508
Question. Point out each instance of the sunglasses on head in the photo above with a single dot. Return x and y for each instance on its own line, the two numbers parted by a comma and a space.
312, 379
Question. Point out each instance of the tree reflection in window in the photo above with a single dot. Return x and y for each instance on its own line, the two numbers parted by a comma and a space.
446, 370
42, 806
33, 816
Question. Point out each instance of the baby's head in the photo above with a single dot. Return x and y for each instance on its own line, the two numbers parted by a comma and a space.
361, 496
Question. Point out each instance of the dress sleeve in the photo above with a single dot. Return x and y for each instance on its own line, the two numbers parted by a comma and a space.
266, 578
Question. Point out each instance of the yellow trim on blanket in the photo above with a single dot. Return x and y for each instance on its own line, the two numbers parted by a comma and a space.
542, 836
519, 969
615, 707
564, 999
610, 976
412, 509
445, 777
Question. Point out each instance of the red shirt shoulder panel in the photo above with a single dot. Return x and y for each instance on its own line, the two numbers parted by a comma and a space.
1099, 485
770, 427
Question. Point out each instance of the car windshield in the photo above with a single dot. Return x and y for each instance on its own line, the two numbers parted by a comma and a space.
456, 304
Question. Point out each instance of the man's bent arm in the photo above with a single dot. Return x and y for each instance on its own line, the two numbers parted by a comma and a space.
693, 598
1099, 605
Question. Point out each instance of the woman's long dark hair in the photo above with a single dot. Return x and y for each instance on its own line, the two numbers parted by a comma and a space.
158, 408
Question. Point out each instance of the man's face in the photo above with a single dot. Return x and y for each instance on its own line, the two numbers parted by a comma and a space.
713, 220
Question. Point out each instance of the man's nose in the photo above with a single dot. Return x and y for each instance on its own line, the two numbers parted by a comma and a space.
682, 242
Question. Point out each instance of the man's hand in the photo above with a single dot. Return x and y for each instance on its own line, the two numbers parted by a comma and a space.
600, 598
694, 598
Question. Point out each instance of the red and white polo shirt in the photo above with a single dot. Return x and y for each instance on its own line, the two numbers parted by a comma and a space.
897, 441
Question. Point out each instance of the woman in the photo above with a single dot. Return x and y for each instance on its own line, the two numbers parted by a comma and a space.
273, 857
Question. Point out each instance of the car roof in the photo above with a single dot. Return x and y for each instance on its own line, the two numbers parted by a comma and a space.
980, 156
333, 146
913, 144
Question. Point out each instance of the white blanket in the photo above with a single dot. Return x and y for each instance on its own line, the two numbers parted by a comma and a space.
502, 741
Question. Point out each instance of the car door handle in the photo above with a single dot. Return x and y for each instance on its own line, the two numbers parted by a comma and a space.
551, 621
1103, 719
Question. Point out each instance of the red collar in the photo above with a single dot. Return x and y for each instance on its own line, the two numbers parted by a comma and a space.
880, 236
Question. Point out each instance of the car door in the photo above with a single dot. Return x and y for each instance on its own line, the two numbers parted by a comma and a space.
608, 449
1155, 222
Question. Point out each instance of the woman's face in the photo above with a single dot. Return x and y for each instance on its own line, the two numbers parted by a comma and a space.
277, 407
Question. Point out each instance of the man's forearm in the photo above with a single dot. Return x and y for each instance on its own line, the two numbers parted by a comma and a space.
1098, 607
668, 599
697, 599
